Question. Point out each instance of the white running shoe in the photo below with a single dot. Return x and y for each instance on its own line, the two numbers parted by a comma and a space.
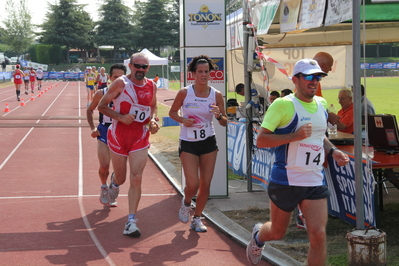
113, 203
197, 224
184, 212
254, 252
104, 196
113, 191
131, 229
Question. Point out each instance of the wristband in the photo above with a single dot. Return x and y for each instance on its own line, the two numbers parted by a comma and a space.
332, 150
220, 117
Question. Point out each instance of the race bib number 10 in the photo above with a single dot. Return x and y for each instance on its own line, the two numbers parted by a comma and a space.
142, 112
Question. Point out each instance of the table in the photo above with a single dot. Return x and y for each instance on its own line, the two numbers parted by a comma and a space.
382, 161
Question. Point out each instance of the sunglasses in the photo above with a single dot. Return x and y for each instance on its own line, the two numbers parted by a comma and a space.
311, 77
138, 66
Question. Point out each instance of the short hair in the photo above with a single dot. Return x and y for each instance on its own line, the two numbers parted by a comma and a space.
286, 92
275, 93
347, 92
201, 59
362, 89
117, 66
239, 87
138, 55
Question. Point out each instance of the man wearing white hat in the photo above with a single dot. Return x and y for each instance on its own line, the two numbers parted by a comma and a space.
296, 126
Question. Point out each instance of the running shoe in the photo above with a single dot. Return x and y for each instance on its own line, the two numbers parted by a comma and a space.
113, 191
131, 229
300, 219
197, 224
254, 252
18, 99
33, 91
113, 203
104, 196
26, 92
184, 212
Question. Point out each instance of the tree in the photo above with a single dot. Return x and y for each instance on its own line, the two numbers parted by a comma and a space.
115, 27
18, 30
67, 24
156, 24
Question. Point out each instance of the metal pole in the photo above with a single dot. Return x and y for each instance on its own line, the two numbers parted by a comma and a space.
247, 88
357, 114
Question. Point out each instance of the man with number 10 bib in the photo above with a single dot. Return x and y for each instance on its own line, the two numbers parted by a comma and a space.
296, 126
133, 119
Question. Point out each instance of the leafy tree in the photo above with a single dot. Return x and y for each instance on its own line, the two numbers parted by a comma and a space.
67, 24
18, 30
156, 24
115, 27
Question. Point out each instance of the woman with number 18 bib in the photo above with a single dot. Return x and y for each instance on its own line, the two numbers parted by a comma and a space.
200, 103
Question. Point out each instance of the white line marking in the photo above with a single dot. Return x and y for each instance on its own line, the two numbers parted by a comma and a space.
84, 196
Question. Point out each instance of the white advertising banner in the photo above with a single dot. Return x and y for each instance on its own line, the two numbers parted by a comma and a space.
205, 23
340, 76
312, 13
338, 11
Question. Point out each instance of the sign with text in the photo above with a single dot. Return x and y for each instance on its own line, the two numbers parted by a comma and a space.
204, 23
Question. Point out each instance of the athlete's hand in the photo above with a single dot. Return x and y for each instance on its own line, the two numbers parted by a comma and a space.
188, 122
154, 126
127, 119
95, 133
305, 131
340, 157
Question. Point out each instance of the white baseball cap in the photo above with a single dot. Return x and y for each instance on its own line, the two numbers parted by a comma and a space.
307, 66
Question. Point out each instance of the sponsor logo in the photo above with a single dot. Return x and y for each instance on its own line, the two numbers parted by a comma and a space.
204, 17
306, 119
310, 146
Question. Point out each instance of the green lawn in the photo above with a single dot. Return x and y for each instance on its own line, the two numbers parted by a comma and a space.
382, 92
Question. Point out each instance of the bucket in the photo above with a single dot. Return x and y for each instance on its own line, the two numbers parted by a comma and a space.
366, 247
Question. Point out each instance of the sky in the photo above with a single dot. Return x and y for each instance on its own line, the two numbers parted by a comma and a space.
38, 8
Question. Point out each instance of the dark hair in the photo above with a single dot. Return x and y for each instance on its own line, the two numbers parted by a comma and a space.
286, 92
202, 59
275, 93
362, 89
239, 87
117, 66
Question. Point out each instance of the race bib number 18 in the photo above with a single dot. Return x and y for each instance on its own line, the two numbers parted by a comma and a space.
198, 132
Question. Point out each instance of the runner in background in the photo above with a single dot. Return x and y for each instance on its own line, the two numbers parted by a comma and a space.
39, 76
90, 80
18, 76
100, 132
102, 79
26, 79
32, 79
95, 72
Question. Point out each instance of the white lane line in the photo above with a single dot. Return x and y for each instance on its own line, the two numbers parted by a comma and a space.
15, 149
80, 198
84, 196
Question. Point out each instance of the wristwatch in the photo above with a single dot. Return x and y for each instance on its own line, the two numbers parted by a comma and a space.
220, 116
332, 150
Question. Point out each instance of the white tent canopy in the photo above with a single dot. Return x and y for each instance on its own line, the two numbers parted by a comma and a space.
154, 60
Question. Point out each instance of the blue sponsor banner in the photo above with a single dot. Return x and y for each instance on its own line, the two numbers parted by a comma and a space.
71, 75
389, 65
45, 75
81, 75
5, 75
365, 66
342, 186
262, 160
397, 65
376, 66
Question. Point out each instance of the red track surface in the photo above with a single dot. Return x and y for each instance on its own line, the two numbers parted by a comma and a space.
50, 211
